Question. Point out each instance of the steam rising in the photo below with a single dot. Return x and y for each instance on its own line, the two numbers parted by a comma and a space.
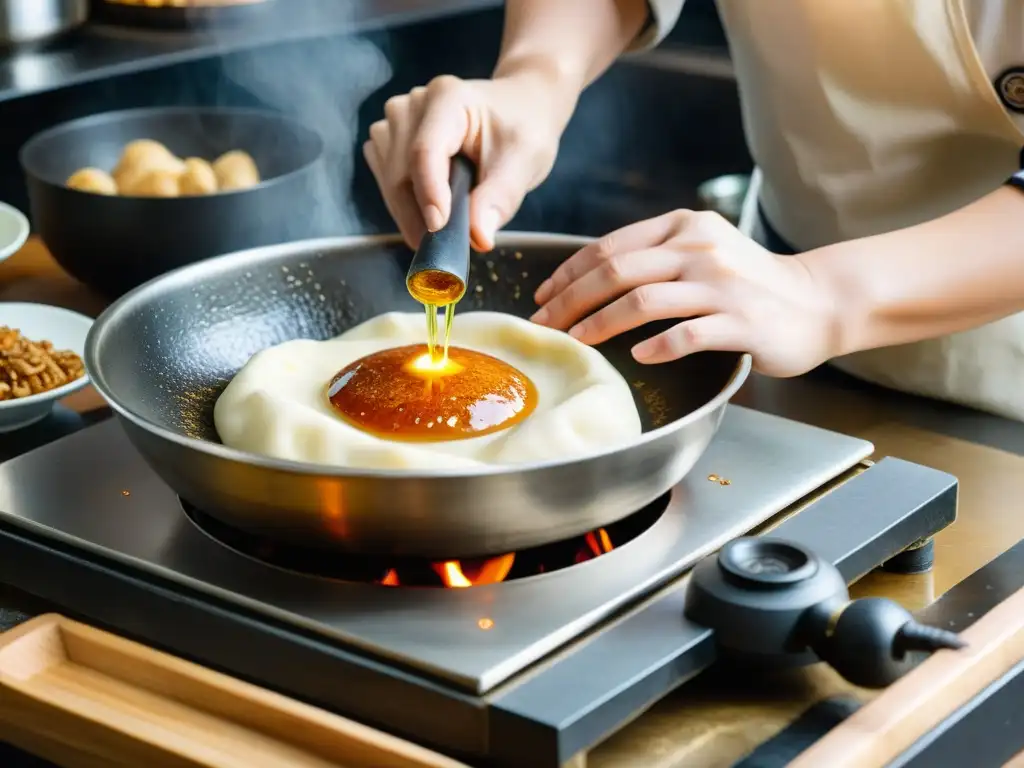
321, 83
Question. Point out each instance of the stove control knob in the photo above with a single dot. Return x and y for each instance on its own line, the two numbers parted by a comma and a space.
771, 601
755, 592
766, 563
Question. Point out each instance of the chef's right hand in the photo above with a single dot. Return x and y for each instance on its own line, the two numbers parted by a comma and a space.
509, 127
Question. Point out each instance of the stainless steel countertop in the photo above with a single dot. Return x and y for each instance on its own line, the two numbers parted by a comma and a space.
99, 51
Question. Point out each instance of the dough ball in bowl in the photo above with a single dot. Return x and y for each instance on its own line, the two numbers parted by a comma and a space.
144, 153
141, 158
236, 170
159, 183
93, 180
198, 178
277, 404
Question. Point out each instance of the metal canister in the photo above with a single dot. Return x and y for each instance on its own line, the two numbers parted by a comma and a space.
36, 22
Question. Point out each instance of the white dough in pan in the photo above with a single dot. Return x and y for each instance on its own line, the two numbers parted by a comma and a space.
277, 406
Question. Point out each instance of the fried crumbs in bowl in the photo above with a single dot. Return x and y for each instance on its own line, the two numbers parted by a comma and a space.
41, 349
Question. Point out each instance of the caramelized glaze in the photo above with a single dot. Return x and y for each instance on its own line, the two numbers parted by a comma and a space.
404, 394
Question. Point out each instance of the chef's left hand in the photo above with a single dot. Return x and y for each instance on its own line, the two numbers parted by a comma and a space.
730, 293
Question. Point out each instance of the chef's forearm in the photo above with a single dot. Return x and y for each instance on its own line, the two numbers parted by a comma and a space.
946, 275
567, 42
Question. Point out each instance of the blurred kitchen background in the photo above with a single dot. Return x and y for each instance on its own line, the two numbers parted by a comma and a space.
642, 141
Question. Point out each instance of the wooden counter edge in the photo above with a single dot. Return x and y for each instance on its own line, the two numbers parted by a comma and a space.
83, 697
911, 707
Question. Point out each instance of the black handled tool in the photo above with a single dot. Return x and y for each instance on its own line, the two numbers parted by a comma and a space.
439, 272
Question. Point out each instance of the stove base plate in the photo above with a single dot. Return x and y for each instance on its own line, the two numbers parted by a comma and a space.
613, 643
540, 719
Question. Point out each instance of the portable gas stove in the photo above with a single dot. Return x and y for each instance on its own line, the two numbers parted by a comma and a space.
551, 650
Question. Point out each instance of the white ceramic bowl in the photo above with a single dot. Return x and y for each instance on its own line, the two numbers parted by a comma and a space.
14, 231
39, 322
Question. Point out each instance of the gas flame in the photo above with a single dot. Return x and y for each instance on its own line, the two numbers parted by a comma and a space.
460, 574
599, 542
456, 575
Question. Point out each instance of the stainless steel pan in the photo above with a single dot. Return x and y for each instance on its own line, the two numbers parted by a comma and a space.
163, 353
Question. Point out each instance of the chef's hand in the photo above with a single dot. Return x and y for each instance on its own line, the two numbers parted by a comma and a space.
509, 126
731, 294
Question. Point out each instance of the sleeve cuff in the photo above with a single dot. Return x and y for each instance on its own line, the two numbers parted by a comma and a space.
662, 16
1017, 180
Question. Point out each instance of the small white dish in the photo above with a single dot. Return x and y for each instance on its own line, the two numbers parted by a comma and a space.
14, 231
39, 322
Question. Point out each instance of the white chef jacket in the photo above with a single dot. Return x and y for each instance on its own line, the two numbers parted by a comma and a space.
866, 116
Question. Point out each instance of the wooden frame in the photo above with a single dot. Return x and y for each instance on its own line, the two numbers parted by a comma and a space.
85, 698
886, 728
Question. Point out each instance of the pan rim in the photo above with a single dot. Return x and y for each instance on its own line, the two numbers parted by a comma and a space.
220, 451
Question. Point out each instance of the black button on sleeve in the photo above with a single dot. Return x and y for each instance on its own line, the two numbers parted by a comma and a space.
1010, 87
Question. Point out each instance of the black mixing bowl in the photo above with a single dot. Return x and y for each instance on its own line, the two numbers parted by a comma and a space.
113, 244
